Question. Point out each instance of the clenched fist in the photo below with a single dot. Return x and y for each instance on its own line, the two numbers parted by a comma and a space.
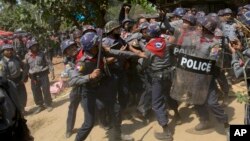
95, 74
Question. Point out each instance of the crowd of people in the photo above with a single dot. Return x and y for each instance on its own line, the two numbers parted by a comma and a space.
152, 63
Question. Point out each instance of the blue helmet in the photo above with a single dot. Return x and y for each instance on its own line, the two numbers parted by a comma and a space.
143, 25
154, 30
66, 43
245, 18
88, 28
210, 23
179, 12
126, 20
220, 13
6, 46
190, 18
247, 7
77, 33
200, 14
31, 43
227, 11
213, 15
89, 40
200, 20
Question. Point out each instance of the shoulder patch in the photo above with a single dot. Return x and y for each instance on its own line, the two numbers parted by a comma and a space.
158, 45
80, 66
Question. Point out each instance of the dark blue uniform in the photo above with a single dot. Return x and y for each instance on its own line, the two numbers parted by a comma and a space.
12, 68
102, 89
238, 59
119, 71
74, 98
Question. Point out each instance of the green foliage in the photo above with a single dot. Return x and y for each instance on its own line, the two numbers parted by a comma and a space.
242, 97
20, 16
38, 16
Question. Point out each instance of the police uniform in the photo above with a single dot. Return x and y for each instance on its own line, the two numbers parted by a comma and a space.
38, 68
74, 95
238, 61
118, 69
229, 32
212, 99
159, 69
96, 89
203, 49
118, 66
12, 69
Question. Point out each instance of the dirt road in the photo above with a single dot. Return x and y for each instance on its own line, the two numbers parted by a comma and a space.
51, 126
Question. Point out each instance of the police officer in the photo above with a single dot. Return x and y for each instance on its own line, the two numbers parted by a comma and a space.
117, 65
127, 28
95, 85
178, 13
77, 35
240, 60
137, 78
71, 50
158, 68
38, 68
205, 51
12, 68
229, 31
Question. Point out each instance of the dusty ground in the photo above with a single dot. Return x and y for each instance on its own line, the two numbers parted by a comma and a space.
51, 126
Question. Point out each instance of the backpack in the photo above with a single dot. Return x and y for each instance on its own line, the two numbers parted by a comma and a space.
12, 124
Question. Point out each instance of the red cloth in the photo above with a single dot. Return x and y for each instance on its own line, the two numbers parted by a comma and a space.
157, 46
79, 55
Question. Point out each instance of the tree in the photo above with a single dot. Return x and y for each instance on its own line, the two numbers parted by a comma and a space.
35, 15
20, 16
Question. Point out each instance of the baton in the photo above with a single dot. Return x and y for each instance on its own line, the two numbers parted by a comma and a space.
99, 53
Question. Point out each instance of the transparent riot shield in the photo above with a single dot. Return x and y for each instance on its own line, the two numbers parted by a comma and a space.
194, 68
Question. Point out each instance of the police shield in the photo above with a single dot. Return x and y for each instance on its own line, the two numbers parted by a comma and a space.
192, 79
194, 69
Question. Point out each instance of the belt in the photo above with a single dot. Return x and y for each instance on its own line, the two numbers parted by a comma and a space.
167, 69
39, 74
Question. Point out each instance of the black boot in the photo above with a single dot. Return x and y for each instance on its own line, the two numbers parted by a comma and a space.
202, 126
68, 134
177, 117
227, 130
39, 109
116, 135
166, 135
